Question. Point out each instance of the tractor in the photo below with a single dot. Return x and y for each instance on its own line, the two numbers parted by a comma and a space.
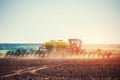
60, 48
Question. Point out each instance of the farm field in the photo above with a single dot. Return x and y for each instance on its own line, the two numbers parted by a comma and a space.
60, 69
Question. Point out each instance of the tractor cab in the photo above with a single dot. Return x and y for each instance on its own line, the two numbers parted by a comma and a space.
74, 45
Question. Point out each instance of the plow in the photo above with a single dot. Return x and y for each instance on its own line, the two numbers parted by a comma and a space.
71, 48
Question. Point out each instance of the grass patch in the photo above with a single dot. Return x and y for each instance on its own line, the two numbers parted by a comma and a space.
3, 51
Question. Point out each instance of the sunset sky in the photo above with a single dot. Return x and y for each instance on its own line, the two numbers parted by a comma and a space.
93, 21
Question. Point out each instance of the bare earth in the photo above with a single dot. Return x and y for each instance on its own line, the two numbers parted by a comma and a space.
60, 69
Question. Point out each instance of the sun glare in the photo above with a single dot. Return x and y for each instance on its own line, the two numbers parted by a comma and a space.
99, 40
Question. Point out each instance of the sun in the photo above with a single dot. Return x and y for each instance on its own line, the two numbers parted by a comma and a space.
99, 40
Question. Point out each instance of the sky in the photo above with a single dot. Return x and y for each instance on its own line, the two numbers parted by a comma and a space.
35, 21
